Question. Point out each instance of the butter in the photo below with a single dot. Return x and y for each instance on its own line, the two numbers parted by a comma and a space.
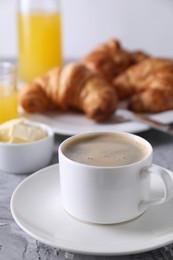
18, 131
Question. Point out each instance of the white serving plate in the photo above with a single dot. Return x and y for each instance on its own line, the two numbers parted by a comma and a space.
74, 123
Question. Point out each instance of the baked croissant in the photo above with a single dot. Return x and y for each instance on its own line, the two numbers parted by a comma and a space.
152, 101
150, 83
33, 98
109, 60
70, 87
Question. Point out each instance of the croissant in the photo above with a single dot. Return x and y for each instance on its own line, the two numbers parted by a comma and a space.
33, 98
109, 60
72, 86
152, 101
150, 83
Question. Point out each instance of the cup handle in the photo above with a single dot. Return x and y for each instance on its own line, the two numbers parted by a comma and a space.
167, 178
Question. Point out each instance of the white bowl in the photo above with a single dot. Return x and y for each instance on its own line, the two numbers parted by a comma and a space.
27, 157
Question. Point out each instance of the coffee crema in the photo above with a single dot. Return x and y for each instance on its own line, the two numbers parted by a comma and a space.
106, 150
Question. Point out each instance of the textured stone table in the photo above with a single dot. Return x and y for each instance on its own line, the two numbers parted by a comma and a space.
15, 244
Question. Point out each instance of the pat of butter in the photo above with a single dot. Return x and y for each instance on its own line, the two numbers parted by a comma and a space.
18, 131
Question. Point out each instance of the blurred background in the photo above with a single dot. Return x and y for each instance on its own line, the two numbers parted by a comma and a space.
144, 24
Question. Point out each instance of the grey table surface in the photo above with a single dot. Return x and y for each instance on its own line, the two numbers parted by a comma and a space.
15, 244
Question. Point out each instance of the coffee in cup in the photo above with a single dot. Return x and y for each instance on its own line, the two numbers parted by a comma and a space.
105, 177
105, 150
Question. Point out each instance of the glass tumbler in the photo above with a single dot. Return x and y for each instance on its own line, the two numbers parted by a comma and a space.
8, 92
39, 37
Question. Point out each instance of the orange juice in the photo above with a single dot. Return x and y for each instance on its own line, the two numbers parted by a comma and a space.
8, 104
39, 36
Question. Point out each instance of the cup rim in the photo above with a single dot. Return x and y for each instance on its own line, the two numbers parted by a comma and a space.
60, 148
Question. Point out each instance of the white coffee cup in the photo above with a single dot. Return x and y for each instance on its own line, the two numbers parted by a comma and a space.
106, 193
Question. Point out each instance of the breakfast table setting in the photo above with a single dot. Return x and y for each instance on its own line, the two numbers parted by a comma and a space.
32, 227
33, 223
16, 243
86, 145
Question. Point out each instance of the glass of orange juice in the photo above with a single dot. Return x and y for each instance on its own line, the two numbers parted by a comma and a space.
39, 37
8, 92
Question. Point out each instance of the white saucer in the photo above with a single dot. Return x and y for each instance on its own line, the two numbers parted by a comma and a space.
37, 209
